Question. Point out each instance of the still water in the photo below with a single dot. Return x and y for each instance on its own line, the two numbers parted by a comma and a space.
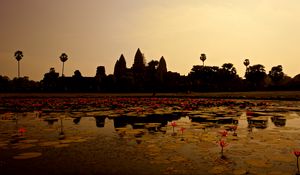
259, 140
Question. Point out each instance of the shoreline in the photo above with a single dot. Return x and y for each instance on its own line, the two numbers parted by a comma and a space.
259, 95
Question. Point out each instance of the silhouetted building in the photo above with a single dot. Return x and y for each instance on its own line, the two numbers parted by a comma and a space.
100, 73
162, 69
120, 68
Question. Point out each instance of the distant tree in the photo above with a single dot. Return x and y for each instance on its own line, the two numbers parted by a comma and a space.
18, 56
173, 82
229, 68
152, 65
63, 58
77, 82
23, 84
276, 74
295, 82
228, 78
4, 83
246, 63
204, 78
203, 58
50, 80
77, 74
256, 75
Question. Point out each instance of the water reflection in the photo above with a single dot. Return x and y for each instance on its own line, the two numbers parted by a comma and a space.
145, 122
62, 125
61, 133
257, 122
100, 121
278, 121
51, 120
76, 120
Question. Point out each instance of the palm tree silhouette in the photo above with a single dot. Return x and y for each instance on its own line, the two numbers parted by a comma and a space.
247, 63
18, 56
203, 58
63, 58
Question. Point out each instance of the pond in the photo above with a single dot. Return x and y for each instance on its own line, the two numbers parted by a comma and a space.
148, 136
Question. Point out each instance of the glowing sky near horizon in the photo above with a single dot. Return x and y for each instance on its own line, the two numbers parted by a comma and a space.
97, 32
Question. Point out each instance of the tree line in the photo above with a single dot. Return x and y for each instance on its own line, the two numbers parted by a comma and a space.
154, 77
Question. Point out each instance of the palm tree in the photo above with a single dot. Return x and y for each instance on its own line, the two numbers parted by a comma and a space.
63, 58
203, 58
18, 56
246, 63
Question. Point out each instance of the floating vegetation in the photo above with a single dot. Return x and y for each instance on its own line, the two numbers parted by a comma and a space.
27, 155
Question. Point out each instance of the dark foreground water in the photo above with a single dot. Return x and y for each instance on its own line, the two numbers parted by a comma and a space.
160, 138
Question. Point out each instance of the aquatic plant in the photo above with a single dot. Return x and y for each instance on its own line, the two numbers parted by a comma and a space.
173, 124
222, 144
233, 128
21, 131
297, 154
182, 130
223, 133
61, 133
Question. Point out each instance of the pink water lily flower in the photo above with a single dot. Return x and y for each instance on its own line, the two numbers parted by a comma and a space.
21, 131
222, 144
173, 124
182, 130
223, 133
297, 154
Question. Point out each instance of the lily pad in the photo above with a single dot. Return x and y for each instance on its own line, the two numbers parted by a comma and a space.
258, 163
282, 158
218, 169
239, 171
49, 143
28, 155
61, 145
23, 146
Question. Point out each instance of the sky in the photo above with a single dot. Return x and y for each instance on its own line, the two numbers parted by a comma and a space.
96, 32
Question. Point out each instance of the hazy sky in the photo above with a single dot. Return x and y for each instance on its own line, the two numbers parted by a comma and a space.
97, 32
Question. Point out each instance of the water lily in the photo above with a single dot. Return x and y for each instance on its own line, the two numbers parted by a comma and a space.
223, 133
182, 130
222, 144
21, 131
173, 124
297, 154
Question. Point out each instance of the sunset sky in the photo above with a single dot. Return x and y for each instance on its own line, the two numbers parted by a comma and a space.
97, 32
